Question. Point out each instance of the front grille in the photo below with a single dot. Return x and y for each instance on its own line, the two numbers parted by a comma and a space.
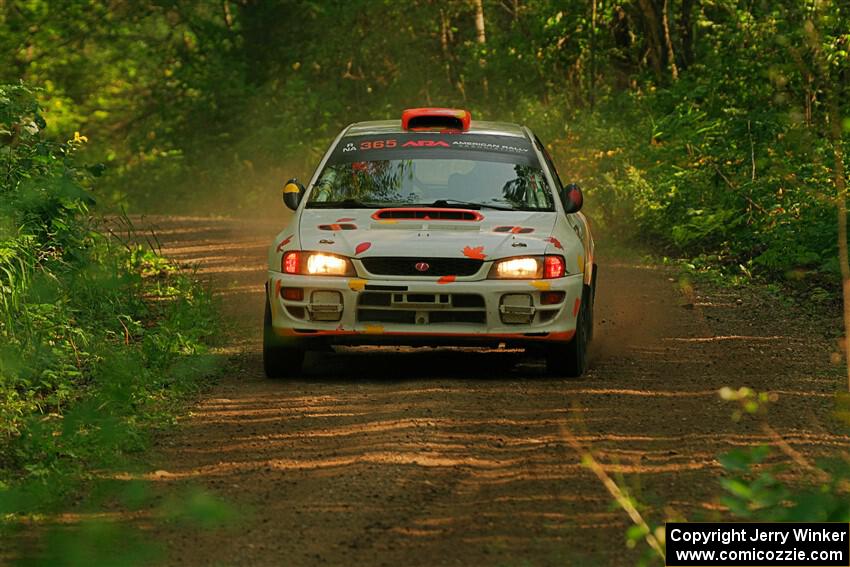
421, 308
406, 266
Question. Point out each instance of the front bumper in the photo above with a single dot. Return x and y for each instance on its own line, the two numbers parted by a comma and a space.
355, 311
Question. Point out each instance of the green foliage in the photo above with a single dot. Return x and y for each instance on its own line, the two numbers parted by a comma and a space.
97, 337
753, 491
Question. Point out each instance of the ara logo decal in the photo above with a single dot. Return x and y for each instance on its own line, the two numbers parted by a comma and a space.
425, 144
349, 147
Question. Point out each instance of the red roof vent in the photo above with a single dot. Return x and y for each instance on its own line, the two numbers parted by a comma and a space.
448, 118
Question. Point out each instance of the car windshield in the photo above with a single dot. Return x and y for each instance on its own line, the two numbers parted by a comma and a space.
432, 182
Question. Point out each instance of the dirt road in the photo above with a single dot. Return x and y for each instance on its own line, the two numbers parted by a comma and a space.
449, 457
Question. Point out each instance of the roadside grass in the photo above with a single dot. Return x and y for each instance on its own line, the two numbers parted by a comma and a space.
102, 342
133, 370
768, 482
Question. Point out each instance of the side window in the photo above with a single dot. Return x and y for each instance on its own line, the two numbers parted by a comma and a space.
550, 164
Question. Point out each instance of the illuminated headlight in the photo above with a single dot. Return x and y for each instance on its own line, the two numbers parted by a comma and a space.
326, 265
517, 269
316, 264
529, 267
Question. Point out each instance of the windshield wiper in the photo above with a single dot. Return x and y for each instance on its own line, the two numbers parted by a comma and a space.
344, 204
451, 202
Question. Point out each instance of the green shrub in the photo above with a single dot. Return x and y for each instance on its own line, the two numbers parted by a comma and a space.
97, 337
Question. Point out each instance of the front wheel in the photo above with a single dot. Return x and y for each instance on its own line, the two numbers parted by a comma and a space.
570, 360
278, 361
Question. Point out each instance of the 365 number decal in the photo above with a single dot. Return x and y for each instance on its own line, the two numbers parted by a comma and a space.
378, 144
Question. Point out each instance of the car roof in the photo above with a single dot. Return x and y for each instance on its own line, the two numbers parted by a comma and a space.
475, 127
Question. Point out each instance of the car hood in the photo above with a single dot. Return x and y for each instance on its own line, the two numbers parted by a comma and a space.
496, 234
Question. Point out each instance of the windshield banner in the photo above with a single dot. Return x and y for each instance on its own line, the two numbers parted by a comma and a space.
434, 145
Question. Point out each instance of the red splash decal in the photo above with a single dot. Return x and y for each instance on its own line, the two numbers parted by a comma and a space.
446, 279
556, 242
346, 219
284, 243
362, 247
476, 253
576, 307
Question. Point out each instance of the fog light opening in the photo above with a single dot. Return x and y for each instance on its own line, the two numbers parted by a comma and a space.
325, 306
516, 309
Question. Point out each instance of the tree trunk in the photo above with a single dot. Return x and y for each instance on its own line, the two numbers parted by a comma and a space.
444, 44
591, 79
481, 37
479, 22
671, 56
653, 37
686, 34
841, 201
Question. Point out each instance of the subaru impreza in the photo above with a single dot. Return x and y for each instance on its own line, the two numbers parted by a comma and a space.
432, 230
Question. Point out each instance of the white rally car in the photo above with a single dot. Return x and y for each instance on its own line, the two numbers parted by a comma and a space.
435, 230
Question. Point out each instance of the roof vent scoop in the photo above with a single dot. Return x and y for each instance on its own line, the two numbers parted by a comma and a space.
439, 118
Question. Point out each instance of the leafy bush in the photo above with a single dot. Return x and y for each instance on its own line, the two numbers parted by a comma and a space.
96, 336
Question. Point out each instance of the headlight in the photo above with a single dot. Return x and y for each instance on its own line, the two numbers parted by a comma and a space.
326, 265
316, 264
516, 269
529, 268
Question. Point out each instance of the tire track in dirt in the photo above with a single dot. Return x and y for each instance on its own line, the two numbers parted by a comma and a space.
452, 457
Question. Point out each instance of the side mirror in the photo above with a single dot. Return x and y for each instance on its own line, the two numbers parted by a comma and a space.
292, 193
572, 198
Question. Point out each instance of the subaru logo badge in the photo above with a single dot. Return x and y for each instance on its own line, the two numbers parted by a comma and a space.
422, 266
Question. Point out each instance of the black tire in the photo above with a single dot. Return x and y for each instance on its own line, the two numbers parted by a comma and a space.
570, 360
278, 361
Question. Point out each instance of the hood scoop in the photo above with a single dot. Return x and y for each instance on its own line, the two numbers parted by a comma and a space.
427, 214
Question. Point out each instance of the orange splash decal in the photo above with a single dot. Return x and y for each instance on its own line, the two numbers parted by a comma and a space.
373, 329
446, 279
542, 286
476, 253
576, 306
362, 247
346, 219
580, 261
356, 284
284, 242
555, 242
337, 226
